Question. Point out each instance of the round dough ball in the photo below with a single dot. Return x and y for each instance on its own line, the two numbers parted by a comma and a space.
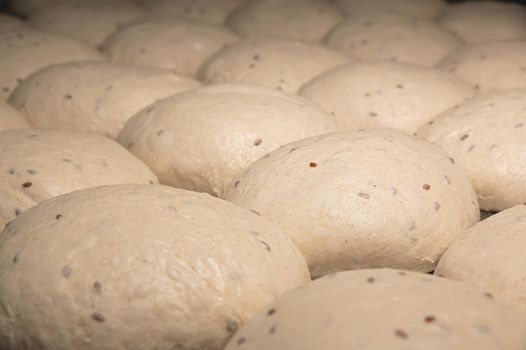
426, 9
181, 45
485, 21
39, 164
393, 36
389, 94
492, 66
90, 22
25, 51
138, 267
10, 118
202, 139
93, 96
364, 199
307, 20
269, 61
491, 255
487, 135
26, 8
384, 309
8, 23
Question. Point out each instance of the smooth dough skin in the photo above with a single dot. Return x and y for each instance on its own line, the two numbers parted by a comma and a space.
274, 62
10, 118
396, 95
487, 135
202, 139
384, 309
492, 66
93, 96
90, 22
180, 46
8, 23
393, 36
307, 20
426, 9
491, 255
485, 21
151, 267
25, 51
39, 164
364, 199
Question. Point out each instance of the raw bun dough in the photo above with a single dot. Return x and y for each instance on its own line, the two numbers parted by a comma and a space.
491, 255
90, 22
180, 45
270, 61
492, 66
93, 96
202, 139
39, 164
426, 9
8, 23
485, 21
393, 36
487, 136
396, 95
384, 309
150, 267
25, 51
10, 118
364, 199
307, 20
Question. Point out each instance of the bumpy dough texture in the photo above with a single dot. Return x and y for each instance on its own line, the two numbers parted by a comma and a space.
93, 96
384, 309
485, 21
8, 23
270, 61
417, 8
90, 22
39, 164
393, 36
487, 136
10, 118
151, 267
307, 20
25, 51
208, 11
180, 45
492, 66
389, 94
373, 198
491, 255
202, 139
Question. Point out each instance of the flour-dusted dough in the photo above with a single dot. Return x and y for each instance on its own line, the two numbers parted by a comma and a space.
10, 118
39, 164
202, 139
389, 94
93, 96
138, 267
417, 8
363, 199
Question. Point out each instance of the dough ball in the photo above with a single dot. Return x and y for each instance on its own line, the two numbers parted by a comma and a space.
202, 139
10, 118
26, 8
25, 51
364, 199
393, 36
485, 21
426, 9
279, 63
307, 20
487, 136
491, 255
384, 309
93, 96
39, 164
181, 45
90, 22
8, 23
389, 94
492, 66
150, 267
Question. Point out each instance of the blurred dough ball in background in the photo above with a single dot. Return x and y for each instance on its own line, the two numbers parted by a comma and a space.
8, 23
10, 118
417, 8
25, 8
